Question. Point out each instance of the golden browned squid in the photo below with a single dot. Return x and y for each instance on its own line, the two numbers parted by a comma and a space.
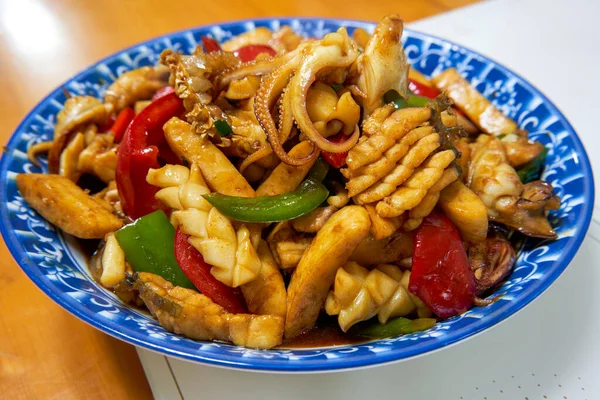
133, 86
466, 210
99, 157
290, 84
67, 206
192, 78
383, 67
359, 294
478, 108
371, 251
315, 273
520, 150
508, 201
187, 312
78, 111
228, 250
288, 246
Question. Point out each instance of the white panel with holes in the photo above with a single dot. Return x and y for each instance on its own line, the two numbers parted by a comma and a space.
549, 350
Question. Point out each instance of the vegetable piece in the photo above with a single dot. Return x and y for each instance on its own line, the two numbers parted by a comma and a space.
466, 210
163, 92
394, 327
533, 169
139, 151
309, 195
441, 276
419, 89
316, 271
336, 160
210, 44
250, 52
66, 205
148, 243
411, 101
120, 125
223, 128
198, 271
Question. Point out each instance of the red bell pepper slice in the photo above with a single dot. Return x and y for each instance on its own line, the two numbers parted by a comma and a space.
210, 44
198, 271
139, 151
441, 276
162, 92
336, 160
421, 89
250, 52
120, 125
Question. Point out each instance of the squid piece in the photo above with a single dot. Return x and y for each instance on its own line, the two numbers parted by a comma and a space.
266, 295
133, 86
382, 228
426, 206
359, 294
487, 117
412, 192
260, 35
78, 111
70, 155
395, 127
466, 210
286, 178
287, 245
220, 174
371, 251
66, 205
100, 157
508, 201
519, 150
229, 251
331, 113
383, 67
285, 39
315, 273
187, 312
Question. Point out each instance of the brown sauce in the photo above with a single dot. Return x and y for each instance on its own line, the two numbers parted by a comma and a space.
325, 333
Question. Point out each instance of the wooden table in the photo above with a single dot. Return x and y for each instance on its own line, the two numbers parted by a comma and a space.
44, 351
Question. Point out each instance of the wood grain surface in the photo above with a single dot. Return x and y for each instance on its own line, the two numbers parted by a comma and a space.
45, 352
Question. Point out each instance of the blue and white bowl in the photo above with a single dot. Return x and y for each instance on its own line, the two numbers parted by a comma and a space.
54, 264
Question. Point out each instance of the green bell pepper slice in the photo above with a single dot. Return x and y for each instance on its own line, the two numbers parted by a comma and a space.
149, 246
309, 195
394, 327
411, 101
533, 169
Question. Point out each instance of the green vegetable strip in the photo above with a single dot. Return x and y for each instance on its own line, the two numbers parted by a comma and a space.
223, 127
411, 101
309, 195
394, 327
533, 169
318, 170
148, 243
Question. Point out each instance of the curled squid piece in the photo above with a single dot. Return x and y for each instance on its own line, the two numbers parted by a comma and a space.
316, 271
78, 111
99, 157
228, 250
187, 312
508, 201
466, 210
329, 113
415, 188
359, 294
335, 51
383, 67
136, 85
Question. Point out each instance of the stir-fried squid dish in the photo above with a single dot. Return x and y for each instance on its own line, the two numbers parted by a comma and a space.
255, 188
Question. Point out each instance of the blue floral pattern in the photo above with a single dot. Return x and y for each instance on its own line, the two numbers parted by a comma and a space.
54, 264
